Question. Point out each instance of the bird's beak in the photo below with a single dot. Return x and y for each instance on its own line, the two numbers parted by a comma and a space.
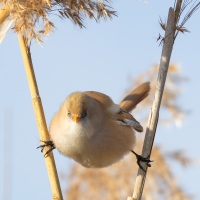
76, 118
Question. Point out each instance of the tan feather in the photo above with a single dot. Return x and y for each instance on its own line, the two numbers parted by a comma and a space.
105, 100
135, 97
129, 120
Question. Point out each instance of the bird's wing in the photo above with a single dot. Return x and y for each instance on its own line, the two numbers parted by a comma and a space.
125, 118
135, 97
121, 116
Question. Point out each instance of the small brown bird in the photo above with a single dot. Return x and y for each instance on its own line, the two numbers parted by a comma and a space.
94, 131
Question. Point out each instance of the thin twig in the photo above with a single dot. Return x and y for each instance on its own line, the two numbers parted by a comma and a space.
195, 6
40, 119
154, 113
177, 11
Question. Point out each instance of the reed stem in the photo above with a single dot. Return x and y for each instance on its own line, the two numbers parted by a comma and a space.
154, 113
40, 119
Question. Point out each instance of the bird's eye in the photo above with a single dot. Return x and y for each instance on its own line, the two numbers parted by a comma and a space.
84, 114
68, 113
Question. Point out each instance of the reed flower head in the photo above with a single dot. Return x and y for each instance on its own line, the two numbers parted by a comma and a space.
32, 18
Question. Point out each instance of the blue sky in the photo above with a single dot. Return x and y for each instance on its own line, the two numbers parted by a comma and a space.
100, 57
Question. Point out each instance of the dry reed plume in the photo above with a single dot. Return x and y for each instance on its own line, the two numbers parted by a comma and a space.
32, 17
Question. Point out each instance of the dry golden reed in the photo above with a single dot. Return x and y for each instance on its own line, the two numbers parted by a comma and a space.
32, 17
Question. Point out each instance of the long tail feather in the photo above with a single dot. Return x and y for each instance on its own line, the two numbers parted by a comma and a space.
135, 97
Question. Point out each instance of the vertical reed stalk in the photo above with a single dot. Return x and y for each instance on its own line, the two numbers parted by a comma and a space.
154, 113
40, 119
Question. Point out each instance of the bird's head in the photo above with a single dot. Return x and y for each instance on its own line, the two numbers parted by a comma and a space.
80, 107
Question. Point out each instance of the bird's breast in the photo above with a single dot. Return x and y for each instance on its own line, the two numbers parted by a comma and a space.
81, 129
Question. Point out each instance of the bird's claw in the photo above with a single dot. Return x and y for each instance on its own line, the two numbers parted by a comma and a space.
142, 159
47, 144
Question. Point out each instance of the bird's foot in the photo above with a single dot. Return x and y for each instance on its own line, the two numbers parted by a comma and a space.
142, 159
47, 144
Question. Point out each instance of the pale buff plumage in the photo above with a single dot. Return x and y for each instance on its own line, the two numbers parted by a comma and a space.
93, 130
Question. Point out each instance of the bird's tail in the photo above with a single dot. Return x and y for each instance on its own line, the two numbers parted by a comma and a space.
135, 97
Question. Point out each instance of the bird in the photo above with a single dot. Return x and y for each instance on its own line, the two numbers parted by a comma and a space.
94, 131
